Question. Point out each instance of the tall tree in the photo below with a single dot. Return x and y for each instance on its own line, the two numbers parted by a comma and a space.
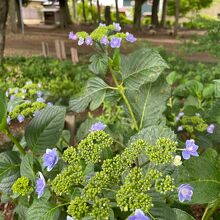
84, 10
74, 9
117, 11
12, 11
154, 13
164, 13
137, 14
3, 19
99, 11
64, 14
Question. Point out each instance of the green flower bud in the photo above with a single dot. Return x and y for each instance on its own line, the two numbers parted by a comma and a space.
22, 186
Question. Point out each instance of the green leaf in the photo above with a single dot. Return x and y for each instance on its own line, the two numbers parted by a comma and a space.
43, 210
172, 77
27, 167
208, 91
214, 112
194, 87
205, 181
149, 102
45, 130
99, 64
152, 133
3, 111
94, 94
9, 170
140, 67
181, 215
161, 211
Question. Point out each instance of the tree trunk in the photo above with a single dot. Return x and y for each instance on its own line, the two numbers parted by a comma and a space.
177, 8
64, 14
154, 15
91, 7
117, 11
99, 11
137, 14
164, 13
84, 10
108, 19
74, 10
12, 11
3, 18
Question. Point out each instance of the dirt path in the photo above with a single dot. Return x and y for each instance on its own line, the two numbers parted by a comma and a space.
29, 44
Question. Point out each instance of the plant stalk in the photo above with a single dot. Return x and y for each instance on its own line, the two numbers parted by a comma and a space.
15, 141
210, 211
121, 91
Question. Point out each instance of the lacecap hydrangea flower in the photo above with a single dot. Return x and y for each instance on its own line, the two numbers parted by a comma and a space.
20, 118
185, 192
72, 36
190, 150
210, 129
181, 114
104, 40
88, 41
115, 42
139, 215
40, 185
50, 159
130, 38
97, 127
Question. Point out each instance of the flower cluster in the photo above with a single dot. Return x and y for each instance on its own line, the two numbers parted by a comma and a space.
162, 152
22, 186
192, 124
30, 102
91, 148
104, 35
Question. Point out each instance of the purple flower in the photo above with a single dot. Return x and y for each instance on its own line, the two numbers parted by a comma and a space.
36, 113
39, 93
210, 129
40, 99
190, 150
139, 215
12, 97
20, 118
104, 40
11, 109
180, 128
130, 38
72, 36
8, 120
24, 91
181, 114
49, 104
117, 26
115, 42
80, 41
69, 218
185, 192
40, 185
16, 91
50, 159
97, 127
88, 41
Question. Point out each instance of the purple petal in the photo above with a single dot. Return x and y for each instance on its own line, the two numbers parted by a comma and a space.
185, 154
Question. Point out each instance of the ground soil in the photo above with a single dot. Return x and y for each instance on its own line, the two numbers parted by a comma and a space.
29, 44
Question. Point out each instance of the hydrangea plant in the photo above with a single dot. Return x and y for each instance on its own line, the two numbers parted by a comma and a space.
102, 177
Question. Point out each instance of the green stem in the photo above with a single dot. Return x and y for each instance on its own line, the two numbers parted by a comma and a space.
15, 141
121, 90
210, 211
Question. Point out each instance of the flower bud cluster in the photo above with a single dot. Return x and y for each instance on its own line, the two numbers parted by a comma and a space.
71, 176
22, 186
193, 123
131, 195
165, 184
100, 209
91, 148
162, 152
78, 208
